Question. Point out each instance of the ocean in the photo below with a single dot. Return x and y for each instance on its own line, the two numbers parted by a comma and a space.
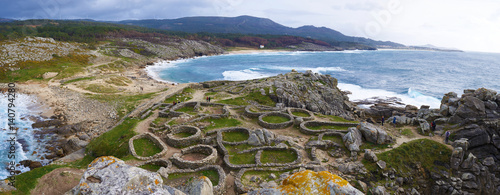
27, 146
415, 77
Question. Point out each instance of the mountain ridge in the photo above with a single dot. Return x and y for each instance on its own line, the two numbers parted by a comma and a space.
254, 25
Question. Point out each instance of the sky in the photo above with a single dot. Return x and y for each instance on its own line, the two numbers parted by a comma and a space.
463, 24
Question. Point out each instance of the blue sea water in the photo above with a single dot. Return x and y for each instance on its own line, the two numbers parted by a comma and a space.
415, 77
27, 146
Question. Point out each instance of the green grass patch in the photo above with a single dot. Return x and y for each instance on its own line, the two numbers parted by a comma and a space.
336, 118
210, 93
27, 181
98, 88
145, 147
66, 66
426, 152
275, 119
213, 175
78, 79
321, 127
278, 156
252, 96
301, 114
244, 158
185, 95
124, 103
114, 142
263, 175
151, 167
407, 132
334, 138
373, 146
160, 120
239, 101
119, 81
187, 109
220, 123
182, 134
234, 136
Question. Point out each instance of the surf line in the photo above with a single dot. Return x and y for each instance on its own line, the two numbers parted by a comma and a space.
11, 121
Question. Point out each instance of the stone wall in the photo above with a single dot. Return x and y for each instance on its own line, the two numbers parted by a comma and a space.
202, 149
275, 125
185, 141
249, 113
305, 130
219, 188
154, 139
311, 115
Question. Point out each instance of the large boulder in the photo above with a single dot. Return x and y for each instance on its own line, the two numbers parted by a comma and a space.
310, 182
110, 175
73, 144
476, 135
374, 134
353, 139
471, 107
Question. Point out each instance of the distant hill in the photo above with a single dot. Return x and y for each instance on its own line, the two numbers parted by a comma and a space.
255, 25
6, 20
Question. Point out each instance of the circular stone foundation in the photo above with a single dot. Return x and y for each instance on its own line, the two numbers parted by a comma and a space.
177, 142
276, 125
209, 152
304, 127
310, 115
261, 110
153, 139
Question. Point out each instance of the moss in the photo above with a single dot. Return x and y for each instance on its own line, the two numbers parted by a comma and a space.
429, 154
213, 175
278, 156
275, 119
301, 114
114, 142
234, 136
145, 147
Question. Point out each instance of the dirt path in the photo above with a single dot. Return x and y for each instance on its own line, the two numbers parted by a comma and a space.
143, 126
198, 96
159, 98
404, 139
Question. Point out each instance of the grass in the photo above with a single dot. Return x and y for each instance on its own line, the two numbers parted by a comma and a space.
275, 119
213, 175
114, 142
182, 134
234, 136
301, 114
263, 175
27, 181
425, 152
334, 138
78, 79
124, 103
98, 88
66, 66
336, 118
244, 158
119, 81
145, 147
220, 123
187, 109
255, 96
160, 120
407, 132
151, 167
278, 156
336, 127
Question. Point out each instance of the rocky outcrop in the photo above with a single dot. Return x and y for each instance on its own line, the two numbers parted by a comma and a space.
310, 182
353, 139
474, 105
110, 175
374, 134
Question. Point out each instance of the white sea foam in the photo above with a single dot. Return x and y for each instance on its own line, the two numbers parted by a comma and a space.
25, 106
316, 69
157, 67
247, 74
412, 97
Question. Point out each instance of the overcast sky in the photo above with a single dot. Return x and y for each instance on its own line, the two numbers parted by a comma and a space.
463, 24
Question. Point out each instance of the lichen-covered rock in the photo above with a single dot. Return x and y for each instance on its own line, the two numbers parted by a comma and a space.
353, 139
110, 175
310, 182
199, 186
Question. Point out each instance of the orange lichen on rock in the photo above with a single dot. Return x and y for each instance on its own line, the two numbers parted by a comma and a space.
310, 182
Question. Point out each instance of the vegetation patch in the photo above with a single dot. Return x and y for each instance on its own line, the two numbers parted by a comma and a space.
160, 120
124, 103
255, 96
220, 123
185, 95
98, 88
213, 175
275, 119
278, 156
263, 175
234, 136
119, 81
182, 135
373, 146
27, 181
336, 118
78, 79
301, 114
336, 127
407, 132
145, 147
151, 167
114, 142
429, 154
244, 158
187, 109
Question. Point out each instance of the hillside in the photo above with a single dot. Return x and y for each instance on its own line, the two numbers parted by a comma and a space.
254, 25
